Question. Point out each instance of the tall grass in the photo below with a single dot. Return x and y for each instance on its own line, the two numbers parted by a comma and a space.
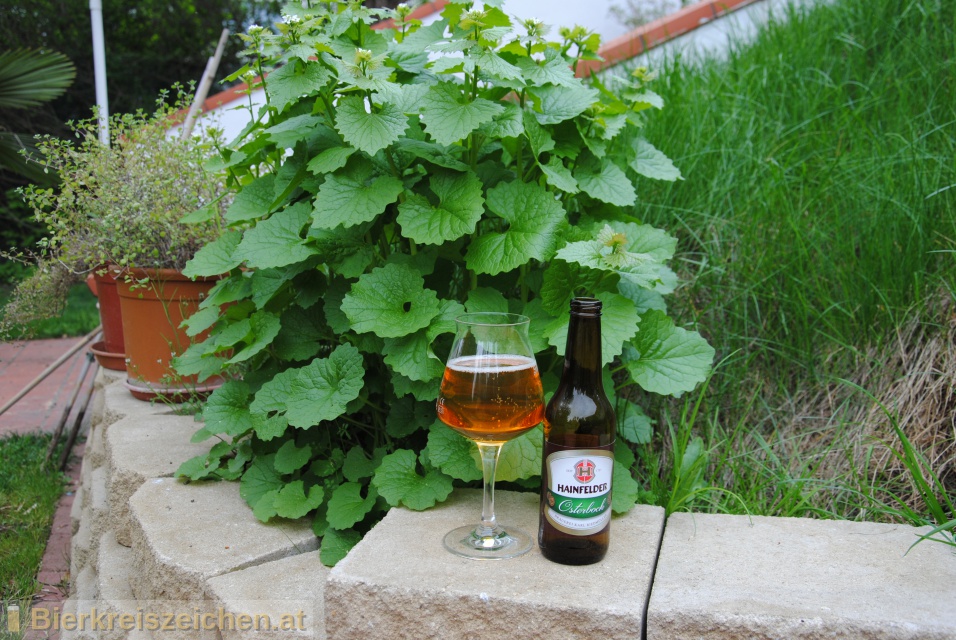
817, 227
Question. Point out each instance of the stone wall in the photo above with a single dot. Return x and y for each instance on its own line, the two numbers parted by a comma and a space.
192, 557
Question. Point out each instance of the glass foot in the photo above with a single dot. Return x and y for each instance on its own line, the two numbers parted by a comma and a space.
488, 544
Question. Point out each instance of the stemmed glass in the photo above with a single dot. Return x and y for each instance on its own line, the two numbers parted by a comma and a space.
490, 393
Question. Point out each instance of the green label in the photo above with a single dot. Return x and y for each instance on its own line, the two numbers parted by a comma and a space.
579, 490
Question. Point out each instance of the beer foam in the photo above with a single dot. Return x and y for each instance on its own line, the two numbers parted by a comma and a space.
491, 363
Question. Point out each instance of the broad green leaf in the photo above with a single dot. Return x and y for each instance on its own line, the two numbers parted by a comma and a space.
444, 322
493, 64
486, 299
558, 175
671, 360
227, 409
332, 306
460, 206
219, 256
294, 80
552, 70
254, 201
292, 501
605, 181
288, 133
623, 455
265, 509
651, 163
357, 465
566, 280
264, 327
644, 239
399, 482
539, 320
626, 489
533, 216
538, 137
448, 117
558, 104
199, 360
619, 323
435, 153
233, 333
301, 335
370, 132
407, 98
421, 390
337, 544
353, 197
259, 479
643, 299
330, 160
319, 391
453, 453
271, 427
347, 506
635, 252
635, 426
412, 356
521, 458
290, 458
277, 242
406, 416
391, 302
195, 468
507, 124
200, 321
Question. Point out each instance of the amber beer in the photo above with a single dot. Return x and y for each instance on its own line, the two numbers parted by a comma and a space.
491, 398
578, 459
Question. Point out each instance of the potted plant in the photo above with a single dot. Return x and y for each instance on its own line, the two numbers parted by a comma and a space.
133, 213
395, 178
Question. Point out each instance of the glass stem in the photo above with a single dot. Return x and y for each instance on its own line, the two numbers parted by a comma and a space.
489, 464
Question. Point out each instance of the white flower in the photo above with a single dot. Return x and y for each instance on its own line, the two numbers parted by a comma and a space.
254, 29
291, 19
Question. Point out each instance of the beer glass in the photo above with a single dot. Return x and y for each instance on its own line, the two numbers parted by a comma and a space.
490, 393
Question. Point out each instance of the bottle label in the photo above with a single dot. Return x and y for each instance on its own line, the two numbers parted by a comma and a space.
579, 490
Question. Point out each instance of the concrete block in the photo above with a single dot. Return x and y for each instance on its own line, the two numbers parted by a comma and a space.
119, 403
80, 551
86, 472
182, 535
125, 616
142, 448
97, 406
95, 450
106, 377
99, 508
723, 577
286, 593
76, 509
86, 585
400, 582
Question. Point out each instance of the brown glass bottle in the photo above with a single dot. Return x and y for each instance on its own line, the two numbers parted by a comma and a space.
578, 458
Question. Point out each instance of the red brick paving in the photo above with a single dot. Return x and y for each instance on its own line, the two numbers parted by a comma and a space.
21, 362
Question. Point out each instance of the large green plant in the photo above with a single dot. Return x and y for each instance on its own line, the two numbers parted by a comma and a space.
394, 179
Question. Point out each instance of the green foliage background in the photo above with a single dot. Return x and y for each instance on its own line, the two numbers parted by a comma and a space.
395, 179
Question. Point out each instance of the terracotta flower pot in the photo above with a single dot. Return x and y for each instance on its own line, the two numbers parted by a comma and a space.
110, 351
152, 315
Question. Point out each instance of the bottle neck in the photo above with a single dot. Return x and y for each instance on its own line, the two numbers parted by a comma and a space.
582, 355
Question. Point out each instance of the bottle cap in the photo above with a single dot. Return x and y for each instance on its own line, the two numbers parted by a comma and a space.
586, 307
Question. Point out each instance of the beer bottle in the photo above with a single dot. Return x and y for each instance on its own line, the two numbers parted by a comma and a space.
578, 458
